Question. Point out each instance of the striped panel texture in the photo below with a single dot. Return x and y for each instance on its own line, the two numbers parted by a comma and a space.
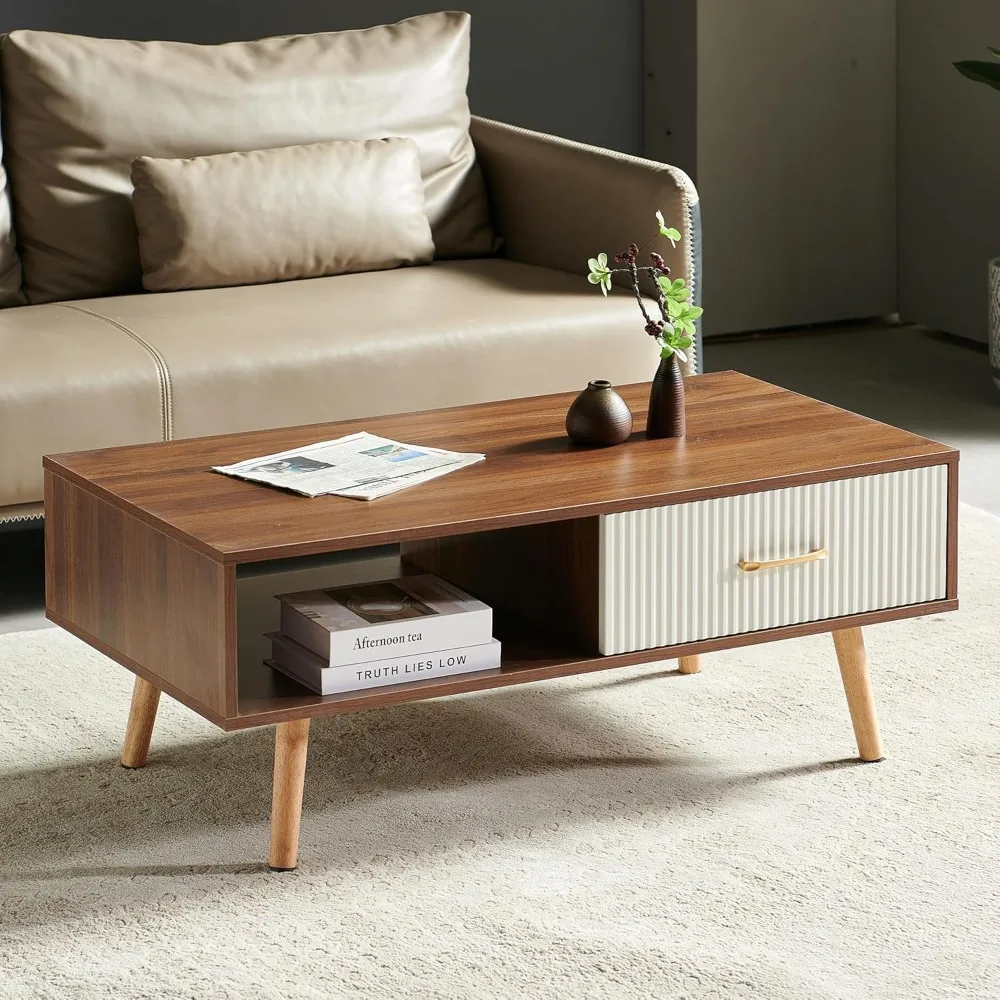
669, 574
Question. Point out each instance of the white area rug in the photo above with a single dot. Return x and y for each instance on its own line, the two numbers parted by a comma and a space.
628, 834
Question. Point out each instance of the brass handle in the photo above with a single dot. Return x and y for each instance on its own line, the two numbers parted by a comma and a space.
752, 566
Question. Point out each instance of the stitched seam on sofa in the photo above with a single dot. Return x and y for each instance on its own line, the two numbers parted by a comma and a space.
33, 516
162, 371
689, 194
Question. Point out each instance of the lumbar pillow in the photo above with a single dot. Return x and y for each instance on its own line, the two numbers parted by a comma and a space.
78, 111
277, 214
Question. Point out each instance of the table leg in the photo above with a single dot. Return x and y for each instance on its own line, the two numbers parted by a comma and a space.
689, 664
141, 716
853, 660
291, 743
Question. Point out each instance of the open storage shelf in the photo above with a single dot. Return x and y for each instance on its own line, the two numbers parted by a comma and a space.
265, 695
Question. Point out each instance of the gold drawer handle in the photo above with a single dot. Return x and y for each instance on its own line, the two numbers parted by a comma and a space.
751, 566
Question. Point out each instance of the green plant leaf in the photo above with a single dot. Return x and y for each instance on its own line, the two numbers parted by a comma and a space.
594, 278
602, 259
685, 342
664, 282
993, 51
666, 350
680, 354
980, 71
674, 308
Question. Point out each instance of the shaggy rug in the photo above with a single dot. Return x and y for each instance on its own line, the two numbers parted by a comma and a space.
635, 833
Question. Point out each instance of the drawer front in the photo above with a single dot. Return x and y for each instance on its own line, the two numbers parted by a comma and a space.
670, 575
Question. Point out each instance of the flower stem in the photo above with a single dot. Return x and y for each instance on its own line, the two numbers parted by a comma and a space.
638, 294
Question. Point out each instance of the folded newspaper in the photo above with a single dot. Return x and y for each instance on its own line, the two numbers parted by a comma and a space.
362, 466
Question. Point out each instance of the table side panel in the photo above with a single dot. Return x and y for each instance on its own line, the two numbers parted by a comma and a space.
952, 569
146, 597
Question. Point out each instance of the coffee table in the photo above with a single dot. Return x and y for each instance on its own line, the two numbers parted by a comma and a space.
777, 516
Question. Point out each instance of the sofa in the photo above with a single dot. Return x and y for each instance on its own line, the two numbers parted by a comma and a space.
89, 358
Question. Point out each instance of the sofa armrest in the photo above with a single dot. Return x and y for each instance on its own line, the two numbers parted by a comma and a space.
556, 203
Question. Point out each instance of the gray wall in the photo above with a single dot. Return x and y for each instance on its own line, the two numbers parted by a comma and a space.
790, 135
949, 164
563, 66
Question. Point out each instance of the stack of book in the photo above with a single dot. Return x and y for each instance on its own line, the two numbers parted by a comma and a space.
370, 634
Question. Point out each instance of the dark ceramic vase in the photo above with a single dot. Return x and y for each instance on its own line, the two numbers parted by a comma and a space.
599, 416
666, 401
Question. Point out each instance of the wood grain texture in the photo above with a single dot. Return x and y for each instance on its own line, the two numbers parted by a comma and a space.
853, 660
291, 747
137, 594
142, 542
743, 435
689, 664
141, 719
268, 697
952, 558
546, 575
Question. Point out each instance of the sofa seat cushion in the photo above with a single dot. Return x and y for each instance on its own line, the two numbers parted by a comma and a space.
69, 381
381, 342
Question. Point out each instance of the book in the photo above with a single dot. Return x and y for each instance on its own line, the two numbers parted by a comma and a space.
313, 672
393, 618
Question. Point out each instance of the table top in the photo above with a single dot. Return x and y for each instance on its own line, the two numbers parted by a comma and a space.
744, 435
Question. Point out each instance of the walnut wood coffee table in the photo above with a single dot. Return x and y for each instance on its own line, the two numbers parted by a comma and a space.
777, 516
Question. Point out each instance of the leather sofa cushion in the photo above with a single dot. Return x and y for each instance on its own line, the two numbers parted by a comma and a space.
381, 342
228, 359
276, 214
69, 381
79, 110
10, 262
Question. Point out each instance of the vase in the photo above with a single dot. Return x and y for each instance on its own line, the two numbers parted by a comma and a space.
666, 401
995, 319
599, 416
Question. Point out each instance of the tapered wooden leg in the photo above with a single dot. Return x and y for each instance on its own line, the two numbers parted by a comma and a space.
850, 646
689, 664
141, 716
291, 743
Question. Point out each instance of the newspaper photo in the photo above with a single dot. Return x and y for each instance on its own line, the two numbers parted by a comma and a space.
361, 466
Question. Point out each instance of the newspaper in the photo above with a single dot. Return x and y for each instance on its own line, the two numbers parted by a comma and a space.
362, 466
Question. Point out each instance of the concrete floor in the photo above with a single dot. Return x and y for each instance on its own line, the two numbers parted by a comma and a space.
903, 376
937, 387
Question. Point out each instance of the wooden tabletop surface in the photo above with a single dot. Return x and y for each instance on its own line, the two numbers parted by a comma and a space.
743, 435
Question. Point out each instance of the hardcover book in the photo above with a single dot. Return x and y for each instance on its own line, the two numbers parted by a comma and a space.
394, 618
312, 671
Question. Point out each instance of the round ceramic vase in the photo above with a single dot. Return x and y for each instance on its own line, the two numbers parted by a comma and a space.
599, 416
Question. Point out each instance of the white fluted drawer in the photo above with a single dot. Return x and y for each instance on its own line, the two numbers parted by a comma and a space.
670, 575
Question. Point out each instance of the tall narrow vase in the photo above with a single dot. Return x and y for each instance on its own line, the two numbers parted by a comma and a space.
666, 401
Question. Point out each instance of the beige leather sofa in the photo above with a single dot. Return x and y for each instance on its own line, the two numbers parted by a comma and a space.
96, 370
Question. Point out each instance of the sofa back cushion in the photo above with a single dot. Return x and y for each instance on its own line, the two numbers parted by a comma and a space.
278, 214
10, 262
79, 110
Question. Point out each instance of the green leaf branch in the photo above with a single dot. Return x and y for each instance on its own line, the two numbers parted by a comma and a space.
675, 330
982, 70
